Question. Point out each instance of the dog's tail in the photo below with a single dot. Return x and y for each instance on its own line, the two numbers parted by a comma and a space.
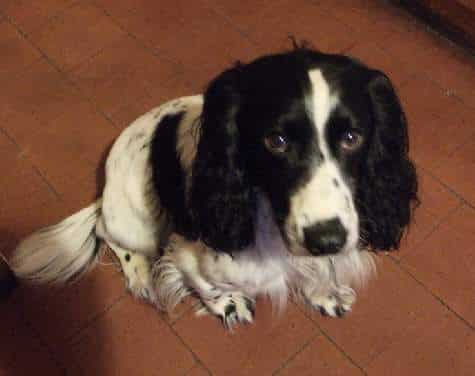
59, 253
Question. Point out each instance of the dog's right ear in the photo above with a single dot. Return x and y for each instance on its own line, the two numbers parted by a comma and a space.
221, 199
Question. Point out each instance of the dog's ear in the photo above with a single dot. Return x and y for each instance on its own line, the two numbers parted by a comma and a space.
221, 199
387, 189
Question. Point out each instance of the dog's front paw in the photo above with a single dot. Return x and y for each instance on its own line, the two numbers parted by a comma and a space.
232, 308
336, 303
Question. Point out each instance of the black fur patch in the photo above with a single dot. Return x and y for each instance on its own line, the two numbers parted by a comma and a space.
250, 306
387, 183
168, 176
230, 309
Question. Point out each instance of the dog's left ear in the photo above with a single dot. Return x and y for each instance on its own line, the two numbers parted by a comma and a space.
222, 201
387, 190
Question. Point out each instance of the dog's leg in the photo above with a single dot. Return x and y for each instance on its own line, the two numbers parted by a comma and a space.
231, 306
321, 288
137, 272
334, 301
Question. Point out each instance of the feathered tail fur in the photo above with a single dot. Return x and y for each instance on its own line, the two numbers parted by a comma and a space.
61, 252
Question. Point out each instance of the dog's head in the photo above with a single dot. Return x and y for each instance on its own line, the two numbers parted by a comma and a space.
323, 137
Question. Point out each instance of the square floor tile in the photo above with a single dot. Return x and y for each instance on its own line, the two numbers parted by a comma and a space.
428, 54
40, 93
458, 171
445, 262
58, 313
129, 339
21, 183
302, 20
198, 370
205, 42
118, 8
68, 150
75, 35
121, 74
259, 348
173, 88
370, 20
21, 352
243, 14
31, 14
436, 203
17, 52
443, 345
23, 191
438, 123
320, 357
390, 305
376, 58
19, 218
411, 43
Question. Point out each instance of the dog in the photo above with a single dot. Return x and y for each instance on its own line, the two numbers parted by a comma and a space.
281, 179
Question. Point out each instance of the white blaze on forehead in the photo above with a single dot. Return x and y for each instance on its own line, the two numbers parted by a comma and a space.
321, 104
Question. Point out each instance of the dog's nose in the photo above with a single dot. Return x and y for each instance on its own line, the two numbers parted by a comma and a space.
326, 237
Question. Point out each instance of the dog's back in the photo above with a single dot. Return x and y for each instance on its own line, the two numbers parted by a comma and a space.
128, 215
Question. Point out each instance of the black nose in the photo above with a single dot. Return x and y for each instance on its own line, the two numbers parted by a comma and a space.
325, 237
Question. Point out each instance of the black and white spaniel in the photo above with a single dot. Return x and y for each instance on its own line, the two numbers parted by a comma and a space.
278, 180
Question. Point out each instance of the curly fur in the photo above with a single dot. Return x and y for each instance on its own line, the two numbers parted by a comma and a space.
387, 186
222, 199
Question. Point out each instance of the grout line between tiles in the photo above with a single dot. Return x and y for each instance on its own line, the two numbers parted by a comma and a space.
450, 189
434, 228
231, 23
399, 264
458, 148
286, 362
43, 343
45, 22
11, 139
64, 75
175, 319
198, 364
33, 165
439, 299
145, 46
75, 337
329, 338
182, 341
46, 181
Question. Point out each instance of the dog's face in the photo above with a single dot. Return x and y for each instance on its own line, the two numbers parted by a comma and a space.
322, 136
303, 145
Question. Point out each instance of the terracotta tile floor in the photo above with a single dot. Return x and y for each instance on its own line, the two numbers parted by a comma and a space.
74, 73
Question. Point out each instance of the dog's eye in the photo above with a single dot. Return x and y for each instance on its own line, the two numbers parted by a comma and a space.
351, 140
276, 142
